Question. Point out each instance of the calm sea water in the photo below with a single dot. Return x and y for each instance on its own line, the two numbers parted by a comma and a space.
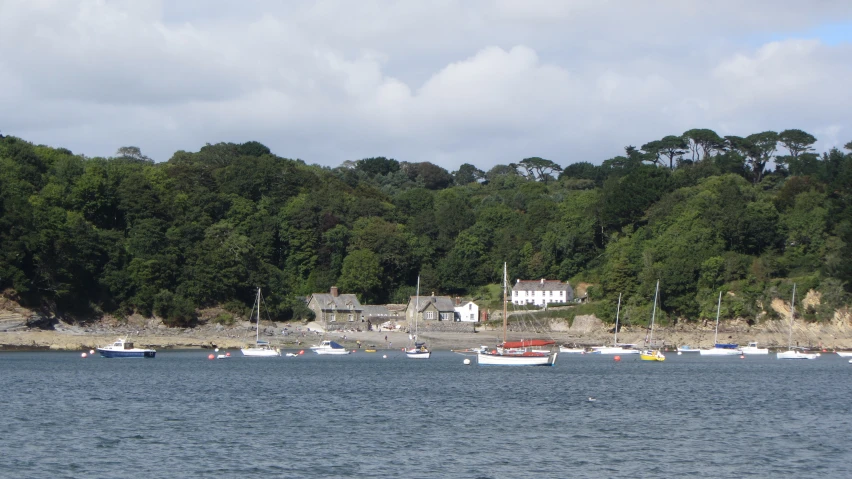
182, 415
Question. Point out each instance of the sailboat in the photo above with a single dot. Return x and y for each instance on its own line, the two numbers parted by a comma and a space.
719, 349
615, 348
260, 348
419, 351
516, 353
792, 353
653, 354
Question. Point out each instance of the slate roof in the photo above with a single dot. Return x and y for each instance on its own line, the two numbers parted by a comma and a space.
442, 303
340, 302
539, 285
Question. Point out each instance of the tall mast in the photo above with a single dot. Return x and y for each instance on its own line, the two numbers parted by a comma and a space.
718, 307
416, 308
792, 314
505, 318
654, 313
617, 312
257, 336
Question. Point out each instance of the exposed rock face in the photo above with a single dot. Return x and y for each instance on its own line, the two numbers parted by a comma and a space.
10, 321
586, 324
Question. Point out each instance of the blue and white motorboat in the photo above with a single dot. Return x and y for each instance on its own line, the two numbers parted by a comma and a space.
329, 347
121, 348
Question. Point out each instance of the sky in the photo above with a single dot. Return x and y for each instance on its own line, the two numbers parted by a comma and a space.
444, 81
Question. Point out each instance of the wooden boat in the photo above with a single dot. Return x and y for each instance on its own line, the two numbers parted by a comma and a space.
516, 353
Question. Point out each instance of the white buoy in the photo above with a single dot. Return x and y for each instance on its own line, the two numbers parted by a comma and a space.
384, 356
91, 351
466, 361
84, 355
679, 353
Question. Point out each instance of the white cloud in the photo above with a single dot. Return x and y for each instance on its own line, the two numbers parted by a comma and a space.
449, 81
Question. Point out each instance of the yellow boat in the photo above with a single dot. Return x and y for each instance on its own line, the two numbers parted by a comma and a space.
369, 350
652, 355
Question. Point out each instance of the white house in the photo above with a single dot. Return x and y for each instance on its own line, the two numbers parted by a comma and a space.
467, 312
542, 292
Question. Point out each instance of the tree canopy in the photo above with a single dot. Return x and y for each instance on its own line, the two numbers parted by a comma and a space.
700, 212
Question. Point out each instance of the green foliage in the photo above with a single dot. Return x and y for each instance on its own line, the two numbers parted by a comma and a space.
696, 211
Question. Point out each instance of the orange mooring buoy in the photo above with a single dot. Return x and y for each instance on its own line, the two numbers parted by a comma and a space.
617, 358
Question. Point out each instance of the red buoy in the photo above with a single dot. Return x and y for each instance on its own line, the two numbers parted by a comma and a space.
210, 356
617, 358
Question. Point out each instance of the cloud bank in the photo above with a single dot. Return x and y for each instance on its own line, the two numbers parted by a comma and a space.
450, 81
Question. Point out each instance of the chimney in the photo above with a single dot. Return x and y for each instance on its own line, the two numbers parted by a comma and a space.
542, 280
334, 291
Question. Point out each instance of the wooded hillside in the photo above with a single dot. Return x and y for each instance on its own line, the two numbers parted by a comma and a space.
747, 215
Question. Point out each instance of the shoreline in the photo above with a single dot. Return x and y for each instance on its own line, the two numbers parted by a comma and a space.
772, 335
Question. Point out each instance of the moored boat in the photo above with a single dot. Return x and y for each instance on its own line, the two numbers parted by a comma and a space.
419, 351
121, 348
794, 353
652, 354
687, 349
615, 348
329, 347
516, 353
753, 349
260, 348
720, 349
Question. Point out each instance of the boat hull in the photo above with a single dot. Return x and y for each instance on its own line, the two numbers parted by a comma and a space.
260, 352
331, 351
491, 359
796, 355
128, 353
418, 354
753, 351
844, 354
651, 356
719, 352
613, 350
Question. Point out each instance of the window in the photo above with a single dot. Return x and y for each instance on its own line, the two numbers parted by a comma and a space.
429, 315
445, 316
331, 317
350, 318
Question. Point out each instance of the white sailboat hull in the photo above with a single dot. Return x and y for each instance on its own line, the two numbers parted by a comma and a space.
417, 354
489, 359
330, 351
613, 350
751, 351
792, 354
260, 352
719, 352
844, 354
